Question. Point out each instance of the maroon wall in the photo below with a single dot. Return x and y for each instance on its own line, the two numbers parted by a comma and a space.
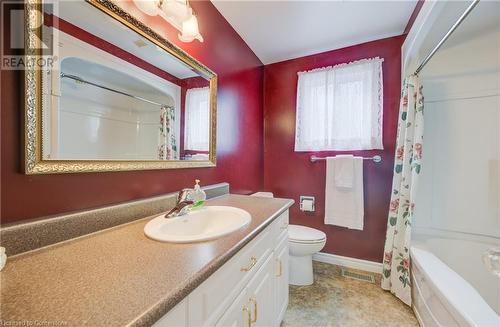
290, 174
239, 137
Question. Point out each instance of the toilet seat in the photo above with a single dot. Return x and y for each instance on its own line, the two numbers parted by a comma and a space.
304, 234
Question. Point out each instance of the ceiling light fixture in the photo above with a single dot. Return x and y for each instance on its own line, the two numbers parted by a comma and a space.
177, 12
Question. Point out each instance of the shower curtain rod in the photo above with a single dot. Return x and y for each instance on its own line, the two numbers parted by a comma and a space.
447, 35
81, 80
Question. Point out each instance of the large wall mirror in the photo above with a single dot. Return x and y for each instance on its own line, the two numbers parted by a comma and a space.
116, 97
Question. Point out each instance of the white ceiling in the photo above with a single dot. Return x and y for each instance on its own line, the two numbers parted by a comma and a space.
281, 30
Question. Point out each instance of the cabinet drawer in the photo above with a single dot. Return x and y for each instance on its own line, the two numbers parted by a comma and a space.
209, 301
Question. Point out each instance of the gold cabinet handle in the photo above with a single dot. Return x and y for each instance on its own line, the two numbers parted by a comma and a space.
253, 261
249, 315
254, 301
280, 265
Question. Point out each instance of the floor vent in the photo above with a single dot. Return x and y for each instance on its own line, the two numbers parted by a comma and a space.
365, 277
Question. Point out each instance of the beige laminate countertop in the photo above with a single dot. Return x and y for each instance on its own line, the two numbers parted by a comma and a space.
119, 276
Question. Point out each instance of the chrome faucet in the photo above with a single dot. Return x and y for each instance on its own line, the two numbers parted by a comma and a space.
183, 205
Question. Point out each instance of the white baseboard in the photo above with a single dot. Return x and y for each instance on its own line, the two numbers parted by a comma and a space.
348, 262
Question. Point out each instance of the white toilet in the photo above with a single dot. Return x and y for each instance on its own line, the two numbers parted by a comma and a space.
303, 242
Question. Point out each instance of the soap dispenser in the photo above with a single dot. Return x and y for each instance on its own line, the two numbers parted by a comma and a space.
199, 196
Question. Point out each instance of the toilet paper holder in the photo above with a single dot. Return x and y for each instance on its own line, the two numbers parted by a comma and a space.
306, 203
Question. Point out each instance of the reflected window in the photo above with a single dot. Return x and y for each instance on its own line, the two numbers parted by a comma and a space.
197, 121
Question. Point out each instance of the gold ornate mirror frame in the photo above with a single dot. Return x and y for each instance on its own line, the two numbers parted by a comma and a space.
33, 159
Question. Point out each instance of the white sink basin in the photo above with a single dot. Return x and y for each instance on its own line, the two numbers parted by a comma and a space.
202, 224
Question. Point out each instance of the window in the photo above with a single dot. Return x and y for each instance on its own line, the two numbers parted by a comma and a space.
197, 120
340, 107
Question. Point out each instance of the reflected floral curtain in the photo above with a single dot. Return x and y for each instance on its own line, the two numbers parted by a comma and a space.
167, 147
407, 166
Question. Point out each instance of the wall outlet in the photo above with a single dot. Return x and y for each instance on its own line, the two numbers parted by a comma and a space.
306, 203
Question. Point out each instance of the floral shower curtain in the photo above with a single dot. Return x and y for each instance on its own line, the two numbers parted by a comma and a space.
167, 148
407, 166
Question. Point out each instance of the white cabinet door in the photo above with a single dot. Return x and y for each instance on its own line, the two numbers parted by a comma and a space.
260, 296
238, 314
177, 317
281, 280
209, 301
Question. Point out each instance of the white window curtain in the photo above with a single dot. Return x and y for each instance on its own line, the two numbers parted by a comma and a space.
197, 119
340, 107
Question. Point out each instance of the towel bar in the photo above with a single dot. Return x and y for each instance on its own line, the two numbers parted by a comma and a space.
376, 159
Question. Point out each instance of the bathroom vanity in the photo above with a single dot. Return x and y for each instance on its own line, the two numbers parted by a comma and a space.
118, 276
251, 289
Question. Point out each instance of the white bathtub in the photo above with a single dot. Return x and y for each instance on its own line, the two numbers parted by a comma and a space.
451, 287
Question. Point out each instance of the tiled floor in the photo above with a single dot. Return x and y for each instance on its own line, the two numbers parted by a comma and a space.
334, 300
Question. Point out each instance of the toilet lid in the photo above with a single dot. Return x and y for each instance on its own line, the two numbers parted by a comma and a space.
298, 233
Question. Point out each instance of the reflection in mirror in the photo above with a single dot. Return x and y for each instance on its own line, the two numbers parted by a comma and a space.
115, 95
